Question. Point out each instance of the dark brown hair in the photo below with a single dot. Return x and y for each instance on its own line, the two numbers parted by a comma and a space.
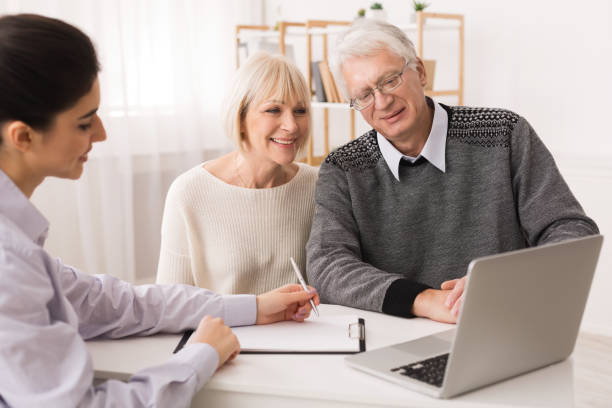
46, 66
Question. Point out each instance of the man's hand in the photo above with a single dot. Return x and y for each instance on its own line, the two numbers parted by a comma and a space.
430, 304
213, 332
289, 302
455, 297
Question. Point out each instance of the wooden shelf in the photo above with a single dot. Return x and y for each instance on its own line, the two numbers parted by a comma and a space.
300, 32
455, 92
324, 28
330, 105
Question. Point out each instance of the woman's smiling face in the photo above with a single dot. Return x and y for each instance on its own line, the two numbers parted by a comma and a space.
275, 130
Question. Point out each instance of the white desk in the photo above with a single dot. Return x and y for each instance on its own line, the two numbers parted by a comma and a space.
324, 380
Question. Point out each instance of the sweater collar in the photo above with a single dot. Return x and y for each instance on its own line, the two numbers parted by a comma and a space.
435, 146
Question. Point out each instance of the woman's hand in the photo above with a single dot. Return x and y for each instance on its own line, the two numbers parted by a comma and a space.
215, 333
289, 302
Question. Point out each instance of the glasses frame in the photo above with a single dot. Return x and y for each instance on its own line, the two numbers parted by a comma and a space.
378, 87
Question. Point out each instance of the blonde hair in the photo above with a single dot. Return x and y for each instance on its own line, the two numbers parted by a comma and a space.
261, 77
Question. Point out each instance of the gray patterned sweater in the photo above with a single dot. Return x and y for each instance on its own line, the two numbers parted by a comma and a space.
377, 242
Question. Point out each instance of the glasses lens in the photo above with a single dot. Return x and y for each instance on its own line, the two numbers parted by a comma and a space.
391, 83
363, 101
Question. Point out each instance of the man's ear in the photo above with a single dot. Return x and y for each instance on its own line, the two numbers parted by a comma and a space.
422, 73
19, 135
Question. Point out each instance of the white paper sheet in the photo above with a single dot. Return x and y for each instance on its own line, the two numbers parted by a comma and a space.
316, 334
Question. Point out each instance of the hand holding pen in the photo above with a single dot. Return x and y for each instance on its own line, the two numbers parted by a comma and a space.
301, 280
289, 302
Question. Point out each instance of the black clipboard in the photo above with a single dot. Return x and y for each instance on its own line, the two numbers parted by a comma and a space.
355, 330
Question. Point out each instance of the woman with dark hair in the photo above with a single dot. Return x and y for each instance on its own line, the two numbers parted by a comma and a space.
48, 122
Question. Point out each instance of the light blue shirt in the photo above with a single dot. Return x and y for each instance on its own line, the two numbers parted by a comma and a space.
434, 150
48, 309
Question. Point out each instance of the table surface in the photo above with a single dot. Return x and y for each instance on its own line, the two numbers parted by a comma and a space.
324, 380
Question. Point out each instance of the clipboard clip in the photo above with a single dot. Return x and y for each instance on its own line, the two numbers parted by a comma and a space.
356, 331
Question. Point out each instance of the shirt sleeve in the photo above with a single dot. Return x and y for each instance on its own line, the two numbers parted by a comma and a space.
172, 384
547, 209
45, 360
334, 262
49, 366
109, 307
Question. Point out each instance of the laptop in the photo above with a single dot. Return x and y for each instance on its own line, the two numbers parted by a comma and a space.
521, 311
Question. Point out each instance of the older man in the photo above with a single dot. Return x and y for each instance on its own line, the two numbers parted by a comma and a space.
403, 209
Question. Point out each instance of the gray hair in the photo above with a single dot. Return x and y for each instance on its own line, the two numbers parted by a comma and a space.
366, 37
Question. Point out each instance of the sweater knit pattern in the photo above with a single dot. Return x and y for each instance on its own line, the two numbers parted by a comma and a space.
485, 127
232, 239
501, 191
361, 153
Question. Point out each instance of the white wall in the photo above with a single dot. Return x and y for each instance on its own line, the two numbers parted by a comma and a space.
550, 61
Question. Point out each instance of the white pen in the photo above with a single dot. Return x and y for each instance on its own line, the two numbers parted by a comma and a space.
301, 280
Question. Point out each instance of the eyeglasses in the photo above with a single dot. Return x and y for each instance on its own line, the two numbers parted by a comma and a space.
366, 98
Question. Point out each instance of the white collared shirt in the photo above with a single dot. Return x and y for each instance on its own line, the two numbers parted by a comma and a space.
434, 150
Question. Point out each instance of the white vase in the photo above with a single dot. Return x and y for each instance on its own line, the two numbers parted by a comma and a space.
377, 14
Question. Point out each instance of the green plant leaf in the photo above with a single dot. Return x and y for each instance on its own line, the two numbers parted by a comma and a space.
420, 5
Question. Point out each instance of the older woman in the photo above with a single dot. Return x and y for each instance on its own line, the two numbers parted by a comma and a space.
231, 224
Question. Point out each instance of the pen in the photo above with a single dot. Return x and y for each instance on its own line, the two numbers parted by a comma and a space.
299, 276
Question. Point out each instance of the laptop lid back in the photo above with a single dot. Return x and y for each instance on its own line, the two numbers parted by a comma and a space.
521, 311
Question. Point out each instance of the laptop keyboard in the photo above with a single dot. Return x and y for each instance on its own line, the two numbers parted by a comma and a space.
430, 371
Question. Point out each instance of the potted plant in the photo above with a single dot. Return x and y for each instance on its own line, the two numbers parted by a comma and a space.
418, 7
361, 13
376, 11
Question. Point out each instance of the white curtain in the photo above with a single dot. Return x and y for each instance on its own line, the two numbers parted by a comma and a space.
165, 68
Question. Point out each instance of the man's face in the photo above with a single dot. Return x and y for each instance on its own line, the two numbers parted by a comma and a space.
400, 114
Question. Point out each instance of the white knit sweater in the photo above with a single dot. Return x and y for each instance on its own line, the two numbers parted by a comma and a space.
232, 239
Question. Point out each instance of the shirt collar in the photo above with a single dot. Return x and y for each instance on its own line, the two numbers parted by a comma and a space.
16, 207
435, 146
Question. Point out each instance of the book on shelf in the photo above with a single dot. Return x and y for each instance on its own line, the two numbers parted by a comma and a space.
430, 70
331, 90
318, 82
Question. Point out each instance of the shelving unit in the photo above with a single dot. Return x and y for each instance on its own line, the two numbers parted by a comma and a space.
325, 28
422, 17
322, 27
